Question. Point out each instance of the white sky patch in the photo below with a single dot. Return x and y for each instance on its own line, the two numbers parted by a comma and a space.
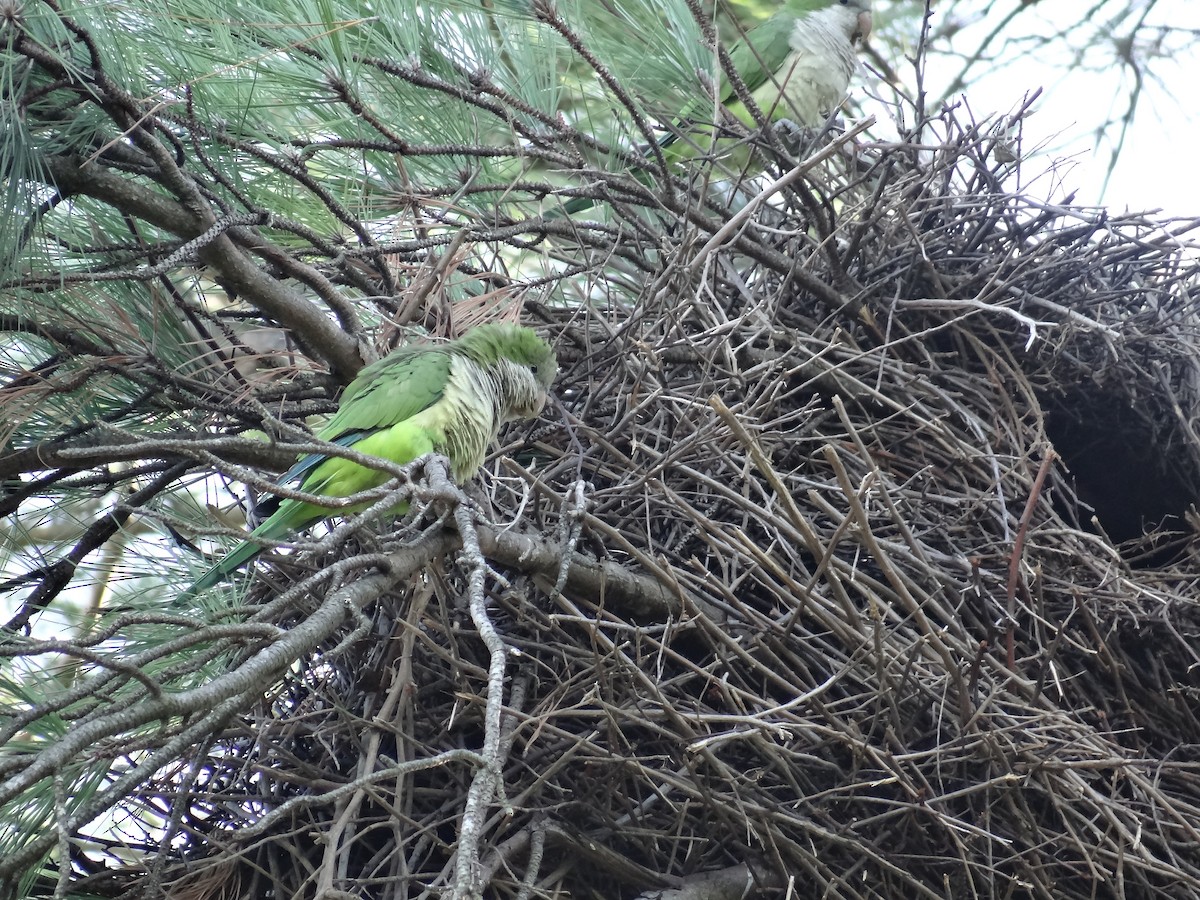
1165, 132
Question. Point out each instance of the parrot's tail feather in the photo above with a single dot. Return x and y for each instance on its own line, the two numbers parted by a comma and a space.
238, 557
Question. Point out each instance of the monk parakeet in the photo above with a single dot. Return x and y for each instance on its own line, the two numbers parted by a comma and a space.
446, 398
796, 65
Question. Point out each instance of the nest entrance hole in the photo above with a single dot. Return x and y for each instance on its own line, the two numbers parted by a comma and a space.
1131, 469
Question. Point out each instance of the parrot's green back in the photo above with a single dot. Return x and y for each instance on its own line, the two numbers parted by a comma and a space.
450, 399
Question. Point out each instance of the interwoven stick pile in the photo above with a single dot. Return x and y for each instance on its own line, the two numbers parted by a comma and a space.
872, 643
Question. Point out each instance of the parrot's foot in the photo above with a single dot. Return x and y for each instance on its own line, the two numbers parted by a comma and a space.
794, 136
800, 139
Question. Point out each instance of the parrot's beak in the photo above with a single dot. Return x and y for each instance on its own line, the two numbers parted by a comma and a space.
864, 27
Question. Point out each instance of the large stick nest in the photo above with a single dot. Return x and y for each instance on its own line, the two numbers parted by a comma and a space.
891, 649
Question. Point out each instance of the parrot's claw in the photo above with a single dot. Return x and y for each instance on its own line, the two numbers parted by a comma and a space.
798, 138
793, 135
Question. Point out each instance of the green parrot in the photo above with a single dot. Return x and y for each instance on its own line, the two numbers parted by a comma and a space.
445, 398
796, 65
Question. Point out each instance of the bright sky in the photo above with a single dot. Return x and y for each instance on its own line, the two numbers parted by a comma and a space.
1166, 130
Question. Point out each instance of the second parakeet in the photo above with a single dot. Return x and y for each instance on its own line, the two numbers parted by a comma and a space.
797, 65
448, 398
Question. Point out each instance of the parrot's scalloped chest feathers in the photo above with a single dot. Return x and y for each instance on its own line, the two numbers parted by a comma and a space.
465, 425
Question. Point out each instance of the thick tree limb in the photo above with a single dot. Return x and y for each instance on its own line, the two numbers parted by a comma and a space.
312, 325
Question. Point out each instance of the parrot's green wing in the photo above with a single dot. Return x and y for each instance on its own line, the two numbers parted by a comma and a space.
760, 54
755, 58
391, 390
386, 392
